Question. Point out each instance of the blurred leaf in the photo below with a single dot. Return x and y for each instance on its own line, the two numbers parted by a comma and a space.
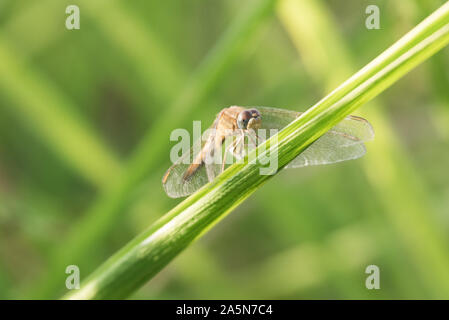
54, 118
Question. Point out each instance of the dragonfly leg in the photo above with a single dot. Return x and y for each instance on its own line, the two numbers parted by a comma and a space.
224, 159
252, 138
259, 138
242, 139
233, 145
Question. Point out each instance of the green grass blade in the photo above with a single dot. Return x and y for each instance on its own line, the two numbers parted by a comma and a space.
149, 252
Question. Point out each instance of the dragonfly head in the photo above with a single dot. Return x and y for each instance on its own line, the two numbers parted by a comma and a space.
249, 119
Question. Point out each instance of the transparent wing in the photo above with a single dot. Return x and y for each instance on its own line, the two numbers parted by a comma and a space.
174, 184
345, 141
328, 149
173, 180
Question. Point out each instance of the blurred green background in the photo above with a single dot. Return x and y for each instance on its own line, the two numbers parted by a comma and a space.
85, 117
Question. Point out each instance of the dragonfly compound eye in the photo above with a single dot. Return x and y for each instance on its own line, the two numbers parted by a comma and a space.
243, 119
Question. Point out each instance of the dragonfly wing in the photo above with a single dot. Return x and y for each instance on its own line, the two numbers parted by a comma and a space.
326, 150
274, 118
173, 181
345, 141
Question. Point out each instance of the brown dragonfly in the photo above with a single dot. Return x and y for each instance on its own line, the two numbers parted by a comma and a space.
241, 125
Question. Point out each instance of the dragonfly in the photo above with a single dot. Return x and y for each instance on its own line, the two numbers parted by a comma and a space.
344, 141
